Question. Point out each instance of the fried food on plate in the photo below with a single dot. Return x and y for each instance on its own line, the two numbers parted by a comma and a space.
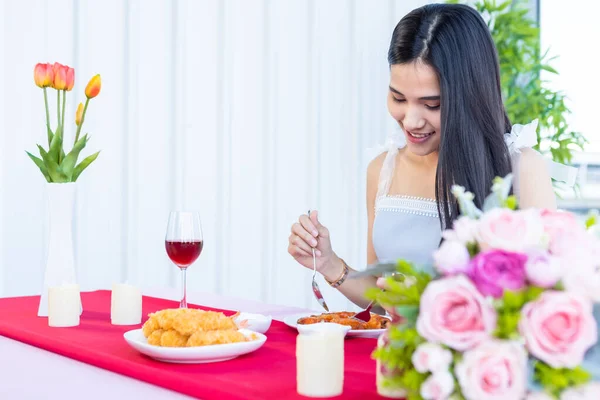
186, 327
345, 318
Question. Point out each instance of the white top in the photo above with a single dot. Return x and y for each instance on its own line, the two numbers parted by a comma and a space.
408, 227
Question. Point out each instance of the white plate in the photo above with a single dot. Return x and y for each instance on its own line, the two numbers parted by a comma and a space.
292, 321
194, 355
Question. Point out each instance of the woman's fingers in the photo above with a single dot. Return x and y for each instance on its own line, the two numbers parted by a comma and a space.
308, 225
314, 219
297, 241
300, 231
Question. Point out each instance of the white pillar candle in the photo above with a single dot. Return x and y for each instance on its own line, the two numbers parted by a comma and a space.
64, 305
320, 362
125, 305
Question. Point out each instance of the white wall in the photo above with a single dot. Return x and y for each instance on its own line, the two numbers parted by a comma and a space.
250, 111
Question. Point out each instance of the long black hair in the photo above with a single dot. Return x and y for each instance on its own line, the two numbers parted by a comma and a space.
454, 40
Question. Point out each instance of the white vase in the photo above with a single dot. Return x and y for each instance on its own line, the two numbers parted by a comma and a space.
60, 262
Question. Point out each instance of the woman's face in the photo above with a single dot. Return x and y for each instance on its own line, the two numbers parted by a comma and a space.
414, 101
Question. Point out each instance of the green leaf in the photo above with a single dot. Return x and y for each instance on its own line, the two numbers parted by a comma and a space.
555, 380
40, 165
68, 163
410, 312
83, 165
50, 134
56, 175
56, 146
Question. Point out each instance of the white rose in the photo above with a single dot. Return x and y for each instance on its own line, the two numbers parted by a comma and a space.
464, 230
431, 357
451, 258
438, 386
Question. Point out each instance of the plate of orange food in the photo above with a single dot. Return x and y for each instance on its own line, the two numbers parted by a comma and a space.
185, 335
372, 329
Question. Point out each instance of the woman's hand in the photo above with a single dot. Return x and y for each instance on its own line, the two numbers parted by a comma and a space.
382, 284
308, 233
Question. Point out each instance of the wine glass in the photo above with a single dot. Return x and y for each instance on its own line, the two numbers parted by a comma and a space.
184, 243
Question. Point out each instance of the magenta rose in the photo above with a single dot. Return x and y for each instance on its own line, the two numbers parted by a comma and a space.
454, 313
559, 328
493, 271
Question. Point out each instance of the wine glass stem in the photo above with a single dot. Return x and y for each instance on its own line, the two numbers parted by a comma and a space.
183, 303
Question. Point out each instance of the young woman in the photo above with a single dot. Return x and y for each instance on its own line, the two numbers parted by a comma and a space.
445, 94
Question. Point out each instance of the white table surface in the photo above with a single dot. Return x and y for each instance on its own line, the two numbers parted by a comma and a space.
30, 373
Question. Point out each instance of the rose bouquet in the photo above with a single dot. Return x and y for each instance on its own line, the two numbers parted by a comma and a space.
54, 164
507, 312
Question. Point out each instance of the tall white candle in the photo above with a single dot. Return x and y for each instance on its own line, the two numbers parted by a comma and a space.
125, 305
64, 305
320, 362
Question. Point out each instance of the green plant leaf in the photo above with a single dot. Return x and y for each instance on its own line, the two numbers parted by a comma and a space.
68, 163
83, 165
56, 146
40, 165
56, 175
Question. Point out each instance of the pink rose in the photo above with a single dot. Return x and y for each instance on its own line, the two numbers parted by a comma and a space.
563, 231
542, 269
451, 258
464, 230
589, 391
559, 328
493, 271
438, 386
431, 357
493, 370
509, 230
454, 313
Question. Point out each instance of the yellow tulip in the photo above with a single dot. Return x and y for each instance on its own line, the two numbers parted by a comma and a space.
93, 87
79, 114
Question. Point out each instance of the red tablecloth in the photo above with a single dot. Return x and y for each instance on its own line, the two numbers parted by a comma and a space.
268, 373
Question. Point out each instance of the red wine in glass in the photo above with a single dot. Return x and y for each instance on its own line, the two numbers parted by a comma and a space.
184, 243
183, 254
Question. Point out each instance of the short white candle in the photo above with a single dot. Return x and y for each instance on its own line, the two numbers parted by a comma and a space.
125, 305
64, 305
320, 362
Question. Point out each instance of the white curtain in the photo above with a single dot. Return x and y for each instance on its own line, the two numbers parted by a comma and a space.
251, 112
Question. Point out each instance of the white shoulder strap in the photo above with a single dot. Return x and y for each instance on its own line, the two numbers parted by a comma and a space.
522, 136
393, 142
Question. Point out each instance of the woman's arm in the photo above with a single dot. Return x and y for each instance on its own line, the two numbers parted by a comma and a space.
354, 289
535, 184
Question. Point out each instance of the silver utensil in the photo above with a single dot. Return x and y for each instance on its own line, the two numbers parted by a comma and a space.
315, 286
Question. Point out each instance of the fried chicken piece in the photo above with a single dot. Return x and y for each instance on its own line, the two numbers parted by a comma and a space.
150, 326
203, 321
205, 338
172, 338
154, 337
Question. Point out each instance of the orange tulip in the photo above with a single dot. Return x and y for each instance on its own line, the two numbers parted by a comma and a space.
43, 75
60, 76
93, 87
70, 78
79, 114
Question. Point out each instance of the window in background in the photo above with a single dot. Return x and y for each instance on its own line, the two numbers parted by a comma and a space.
571, 30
